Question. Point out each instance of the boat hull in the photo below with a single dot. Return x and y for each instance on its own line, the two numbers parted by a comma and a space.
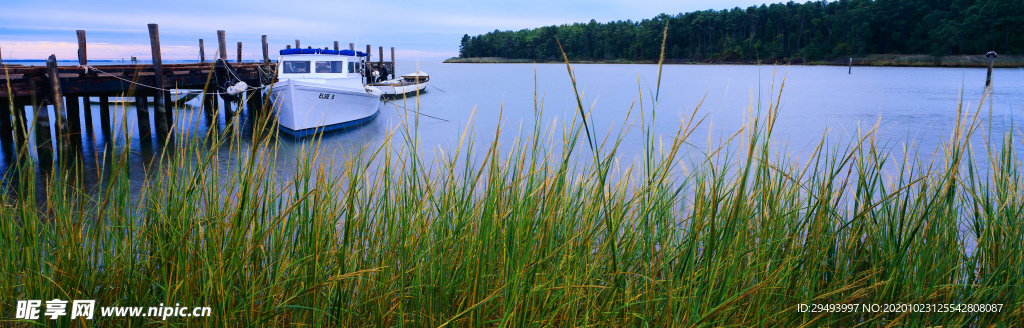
305, 108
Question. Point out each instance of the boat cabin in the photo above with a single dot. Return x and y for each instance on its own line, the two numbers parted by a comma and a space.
319, 64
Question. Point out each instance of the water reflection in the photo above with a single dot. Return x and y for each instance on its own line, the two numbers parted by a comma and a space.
915, 106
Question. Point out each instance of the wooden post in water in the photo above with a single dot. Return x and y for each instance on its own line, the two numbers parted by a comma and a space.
393, 62
202, 52
44, 141
142, 111
991, 61
83, 59
298, 45
266, 51
228, 114
20, 122
223, 45
43, 137
73, 109
164, 117
258, 100
352, 46
850, 70
5, 117
210, 103
239, 52
336, 46
288, 46
105, 114
366, 70
380, 61
87, 110
56, 98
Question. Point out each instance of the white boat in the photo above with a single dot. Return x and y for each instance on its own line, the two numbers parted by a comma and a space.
321, 90
409, 83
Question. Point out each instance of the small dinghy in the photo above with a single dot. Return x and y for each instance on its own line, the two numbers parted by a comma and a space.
409, 83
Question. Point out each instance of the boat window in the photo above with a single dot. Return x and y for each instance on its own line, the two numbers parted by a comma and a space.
334, 66
351, 67
296, 67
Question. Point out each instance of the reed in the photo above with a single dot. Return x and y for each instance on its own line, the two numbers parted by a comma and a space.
550, 231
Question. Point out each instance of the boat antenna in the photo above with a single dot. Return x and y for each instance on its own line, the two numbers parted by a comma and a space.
359, 24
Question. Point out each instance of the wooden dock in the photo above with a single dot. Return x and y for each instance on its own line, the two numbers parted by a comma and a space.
59, 92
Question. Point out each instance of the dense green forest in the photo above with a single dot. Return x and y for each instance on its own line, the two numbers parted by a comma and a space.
819, 30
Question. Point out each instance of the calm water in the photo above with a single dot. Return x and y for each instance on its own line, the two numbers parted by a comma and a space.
914, 105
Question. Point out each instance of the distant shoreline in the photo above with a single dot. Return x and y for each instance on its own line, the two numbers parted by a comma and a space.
976, 61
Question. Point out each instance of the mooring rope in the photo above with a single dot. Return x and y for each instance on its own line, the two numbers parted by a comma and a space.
417, 112
88, 67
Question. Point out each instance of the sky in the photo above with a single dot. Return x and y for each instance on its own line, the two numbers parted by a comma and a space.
419, 30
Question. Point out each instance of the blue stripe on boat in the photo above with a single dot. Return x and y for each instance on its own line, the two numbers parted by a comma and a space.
333, 127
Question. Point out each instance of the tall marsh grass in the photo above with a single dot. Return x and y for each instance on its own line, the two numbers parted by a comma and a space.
551, 231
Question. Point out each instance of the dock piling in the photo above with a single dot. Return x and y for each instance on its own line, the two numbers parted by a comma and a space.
209, 103
43, 137
142, 112
5, 117
352, 46
44, 141
266, 50
202, 52
298, 45
164, 117
239, 52
56, 98
850, 70
335, 45
392, 62
20, 123
991, 61
82, 58
73, 110
87, 111
223, 45
105, 114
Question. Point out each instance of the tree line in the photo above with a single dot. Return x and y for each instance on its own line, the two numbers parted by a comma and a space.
815, 30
